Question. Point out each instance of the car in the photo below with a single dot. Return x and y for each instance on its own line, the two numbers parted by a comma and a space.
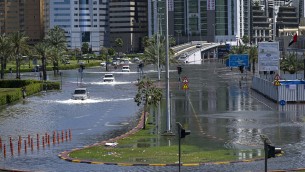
103, 63
108, 77
80, 94
198, 45
125, 68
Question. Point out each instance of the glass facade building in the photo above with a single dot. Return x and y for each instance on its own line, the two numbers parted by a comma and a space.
82, 20
202, 20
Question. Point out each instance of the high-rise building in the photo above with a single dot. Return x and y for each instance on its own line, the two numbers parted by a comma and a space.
22, 16
128, 22
84, 21
201, 20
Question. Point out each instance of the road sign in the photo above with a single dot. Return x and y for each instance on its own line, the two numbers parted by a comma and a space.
236, 60
282, 102
185, 86
277, 83
185, 80
277, 77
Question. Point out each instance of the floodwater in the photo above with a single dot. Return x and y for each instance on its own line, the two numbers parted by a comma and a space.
220, 111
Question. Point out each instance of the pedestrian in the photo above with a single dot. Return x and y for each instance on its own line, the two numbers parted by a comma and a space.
23, 92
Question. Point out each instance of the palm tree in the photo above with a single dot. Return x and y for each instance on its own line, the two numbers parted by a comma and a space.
253, 55
85, 48
148, 94
291, 64
56, 38
19, 46
5, 52
119, 42
42, 49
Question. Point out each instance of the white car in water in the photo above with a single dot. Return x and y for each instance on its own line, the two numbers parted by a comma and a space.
125, 68
108, 77
80, 94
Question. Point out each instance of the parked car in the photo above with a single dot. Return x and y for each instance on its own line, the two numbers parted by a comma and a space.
108, 77
103, 63
198, 45
80, 94
125, 68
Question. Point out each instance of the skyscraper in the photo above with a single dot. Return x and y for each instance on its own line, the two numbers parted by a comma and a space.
84, 21
202, 20
22, 16
128, 21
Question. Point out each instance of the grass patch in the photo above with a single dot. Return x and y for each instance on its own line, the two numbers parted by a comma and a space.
138, 148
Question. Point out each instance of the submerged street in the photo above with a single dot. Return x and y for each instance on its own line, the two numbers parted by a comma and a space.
219, 108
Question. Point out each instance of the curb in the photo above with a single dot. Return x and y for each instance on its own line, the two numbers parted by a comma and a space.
65, 155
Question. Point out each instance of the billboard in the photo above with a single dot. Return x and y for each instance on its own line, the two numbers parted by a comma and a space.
236, 60
268, 56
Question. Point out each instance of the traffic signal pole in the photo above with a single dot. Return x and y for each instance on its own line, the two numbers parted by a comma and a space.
179, 144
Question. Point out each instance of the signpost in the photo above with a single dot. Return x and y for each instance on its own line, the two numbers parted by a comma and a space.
185, 82
237, 60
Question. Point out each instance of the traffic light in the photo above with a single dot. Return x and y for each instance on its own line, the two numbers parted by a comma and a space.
272, 151
184, 132
179, 68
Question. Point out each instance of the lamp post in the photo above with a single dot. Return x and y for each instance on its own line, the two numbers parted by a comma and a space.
168, 107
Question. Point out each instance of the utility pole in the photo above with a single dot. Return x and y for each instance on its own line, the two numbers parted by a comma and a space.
168, 106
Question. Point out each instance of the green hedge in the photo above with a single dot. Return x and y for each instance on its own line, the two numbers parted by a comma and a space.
11, 90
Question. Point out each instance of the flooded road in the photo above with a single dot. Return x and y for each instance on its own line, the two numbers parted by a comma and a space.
109, 108
220, 111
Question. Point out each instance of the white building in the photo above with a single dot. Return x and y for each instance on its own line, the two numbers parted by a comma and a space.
82, 20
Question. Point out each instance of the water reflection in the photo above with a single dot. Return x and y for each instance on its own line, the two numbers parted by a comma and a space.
221, 113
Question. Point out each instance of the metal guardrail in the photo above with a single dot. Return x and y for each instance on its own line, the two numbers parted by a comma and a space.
289, 93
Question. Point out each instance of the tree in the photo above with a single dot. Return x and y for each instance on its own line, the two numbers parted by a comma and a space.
156, 51
42, 49
148, 94
19, 46
119, 42
5, 52
245, 39
291, 64
253, 55
85, 48
242, 49
57, 40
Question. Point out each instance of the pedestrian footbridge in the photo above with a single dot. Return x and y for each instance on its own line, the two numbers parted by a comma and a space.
195, 52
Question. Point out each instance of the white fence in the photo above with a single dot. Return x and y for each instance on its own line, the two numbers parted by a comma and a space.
289, 93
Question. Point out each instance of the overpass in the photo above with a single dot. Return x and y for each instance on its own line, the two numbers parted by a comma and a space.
195, 52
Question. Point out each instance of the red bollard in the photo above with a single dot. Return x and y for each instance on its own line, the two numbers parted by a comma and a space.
46, 136
54, 137
29, 140
48, 140
0, 143
18, 147
70, 134
57, 138
11, 146
12, 149
66, 136
37, 141
32, 145
4, 151
25, 146
43, 141
62, 136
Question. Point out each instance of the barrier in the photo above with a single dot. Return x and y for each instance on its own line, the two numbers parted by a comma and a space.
42, 140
